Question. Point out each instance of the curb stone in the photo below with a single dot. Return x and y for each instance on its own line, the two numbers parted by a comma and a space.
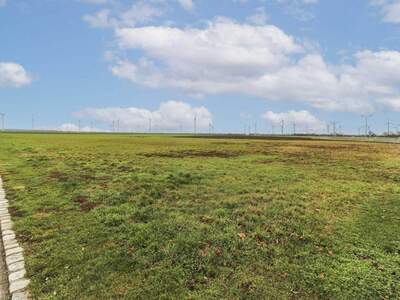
14, 257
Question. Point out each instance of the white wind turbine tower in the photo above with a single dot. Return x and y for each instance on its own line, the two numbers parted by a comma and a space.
210, 128
150, 125
366, 117
2, 115
389, 124
334, 126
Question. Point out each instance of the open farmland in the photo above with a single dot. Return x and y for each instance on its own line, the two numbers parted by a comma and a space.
150, 217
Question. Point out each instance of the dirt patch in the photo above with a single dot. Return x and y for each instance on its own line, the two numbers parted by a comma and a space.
84, 204
87, 177
103, 185
194, 154
15, 212
59, 176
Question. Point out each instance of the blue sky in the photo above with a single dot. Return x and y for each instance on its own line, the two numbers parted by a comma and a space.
230, 63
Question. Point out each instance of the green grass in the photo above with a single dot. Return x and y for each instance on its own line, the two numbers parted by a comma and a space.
159, 217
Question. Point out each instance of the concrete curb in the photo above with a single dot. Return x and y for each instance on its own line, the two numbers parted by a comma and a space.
14, 257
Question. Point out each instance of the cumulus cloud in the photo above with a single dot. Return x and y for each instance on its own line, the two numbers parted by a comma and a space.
210, 60
101, 19
262, 61
70, 127
140, 12
170, 116
259, 17
390, 10
13, 75
300, 9
299, 118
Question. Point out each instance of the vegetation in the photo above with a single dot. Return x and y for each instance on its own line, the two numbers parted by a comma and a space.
162, 217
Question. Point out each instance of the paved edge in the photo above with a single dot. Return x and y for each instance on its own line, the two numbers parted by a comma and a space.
14, 257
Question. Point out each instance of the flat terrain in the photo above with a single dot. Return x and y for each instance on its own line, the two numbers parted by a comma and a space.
159, 217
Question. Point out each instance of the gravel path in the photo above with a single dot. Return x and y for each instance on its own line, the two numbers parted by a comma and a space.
12, 264
3, 275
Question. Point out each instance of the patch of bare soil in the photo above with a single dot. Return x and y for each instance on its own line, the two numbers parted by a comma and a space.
183, 154
59, 176
84, 203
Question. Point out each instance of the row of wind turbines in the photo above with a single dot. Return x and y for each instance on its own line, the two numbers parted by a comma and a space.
283, 128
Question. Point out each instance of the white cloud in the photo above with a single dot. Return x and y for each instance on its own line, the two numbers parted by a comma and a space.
302, 117
259, 17
392, 103
171, 115
96, 1
141, 12
295, 121
70, 127
99, 19
299, 8
13, 75
262, 61
187, 4
390, 10
209, 60
310, 1
298, 2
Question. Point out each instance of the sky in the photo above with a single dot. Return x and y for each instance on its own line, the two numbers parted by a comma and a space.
226, 65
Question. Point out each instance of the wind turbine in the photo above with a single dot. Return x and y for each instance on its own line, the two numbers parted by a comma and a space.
366, 122
150, 125
211, 128
2, 115
334, 127
389, 123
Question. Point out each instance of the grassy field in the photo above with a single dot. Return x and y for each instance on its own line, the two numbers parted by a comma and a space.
158, 217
